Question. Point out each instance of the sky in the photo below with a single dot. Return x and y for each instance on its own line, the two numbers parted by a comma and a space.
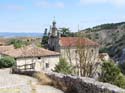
36, 15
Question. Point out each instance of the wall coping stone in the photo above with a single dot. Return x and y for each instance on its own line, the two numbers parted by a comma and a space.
98, 86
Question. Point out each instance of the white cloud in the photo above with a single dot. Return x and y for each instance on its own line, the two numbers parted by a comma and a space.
47, 4
15, 7
92, 1
12, 7
119, 3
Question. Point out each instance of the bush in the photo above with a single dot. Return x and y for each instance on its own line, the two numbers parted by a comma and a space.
122, 67
18, 43
6, 62
43, 78
103, 50
63, 67
45, 40
111, 74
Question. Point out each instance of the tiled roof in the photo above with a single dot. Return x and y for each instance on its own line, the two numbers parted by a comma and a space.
3, 41
30, 52
6, 48
76, 41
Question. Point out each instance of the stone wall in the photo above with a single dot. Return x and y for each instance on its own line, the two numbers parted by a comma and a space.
74, 84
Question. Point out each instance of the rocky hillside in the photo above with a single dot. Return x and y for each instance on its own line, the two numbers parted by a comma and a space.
111, 37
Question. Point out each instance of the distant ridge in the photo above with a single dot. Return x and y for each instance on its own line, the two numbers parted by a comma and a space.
111, 38
19, 34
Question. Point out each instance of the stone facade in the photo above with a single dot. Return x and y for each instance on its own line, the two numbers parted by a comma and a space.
41, 63
53, 44
53, 41
34, 58
68, 48
75, 84
66, 53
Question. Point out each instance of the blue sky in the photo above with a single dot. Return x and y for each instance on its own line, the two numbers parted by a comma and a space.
35, 15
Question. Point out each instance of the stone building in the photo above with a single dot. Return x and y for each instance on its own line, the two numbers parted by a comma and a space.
61, 44
69, 47
54, 36
34, 58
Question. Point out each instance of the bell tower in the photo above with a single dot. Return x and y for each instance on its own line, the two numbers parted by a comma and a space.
54, 29
53, 41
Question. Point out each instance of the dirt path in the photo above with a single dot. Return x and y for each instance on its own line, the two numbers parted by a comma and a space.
13, 83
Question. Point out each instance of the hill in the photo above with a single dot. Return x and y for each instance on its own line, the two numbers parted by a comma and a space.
111, 37
19, 34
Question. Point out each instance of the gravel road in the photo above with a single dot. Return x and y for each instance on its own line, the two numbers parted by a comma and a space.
13, 83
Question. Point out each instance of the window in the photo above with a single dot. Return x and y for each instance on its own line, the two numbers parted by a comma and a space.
47, 65
92, 50
76, 51
15, 58
39, 57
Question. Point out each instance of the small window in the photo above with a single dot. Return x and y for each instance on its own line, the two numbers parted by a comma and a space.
47, 65
39, 57
76, 51
92, 50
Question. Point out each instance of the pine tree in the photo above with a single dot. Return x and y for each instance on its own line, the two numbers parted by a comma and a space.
63, 67
112, 74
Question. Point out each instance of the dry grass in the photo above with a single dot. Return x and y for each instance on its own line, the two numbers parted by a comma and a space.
33, 87
43, 79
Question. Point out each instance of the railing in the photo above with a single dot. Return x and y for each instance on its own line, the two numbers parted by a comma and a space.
25, 67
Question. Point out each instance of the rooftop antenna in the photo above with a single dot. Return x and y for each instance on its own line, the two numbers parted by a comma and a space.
54, 18
78, 28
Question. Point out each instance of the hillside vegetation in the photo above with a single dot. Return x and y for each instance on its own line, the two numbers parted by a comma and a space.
111, 37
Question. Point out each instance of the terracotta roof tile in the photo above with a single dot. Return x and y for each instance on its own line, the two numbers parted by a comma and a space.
30, 52
76, 41
6, 48
3, 41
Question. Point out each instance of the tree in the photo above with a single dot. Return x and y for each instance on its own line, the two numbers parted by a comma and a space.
63, 67
111, 74
122, 66
87, 58
45, 38
65, 32
45, 32
82, 57
17, 43
6, 62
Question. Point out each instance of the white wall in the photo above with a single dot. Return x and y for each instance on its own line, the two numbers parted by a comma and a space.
40, 64
74, 56
90, 56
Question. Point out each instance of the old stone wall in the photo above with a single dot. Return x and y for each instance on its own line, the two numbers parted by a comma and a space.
74, 84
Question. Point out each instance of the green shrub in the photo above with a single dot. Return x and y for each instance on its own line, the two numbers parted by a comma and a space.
103, 50
18, 43
111, 74
96, 35
6, 62
122, 67
63, 67
45, 40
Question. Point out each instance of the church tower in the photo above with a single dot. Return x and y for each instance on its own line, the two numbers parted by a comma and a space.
54, 29
53, 41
